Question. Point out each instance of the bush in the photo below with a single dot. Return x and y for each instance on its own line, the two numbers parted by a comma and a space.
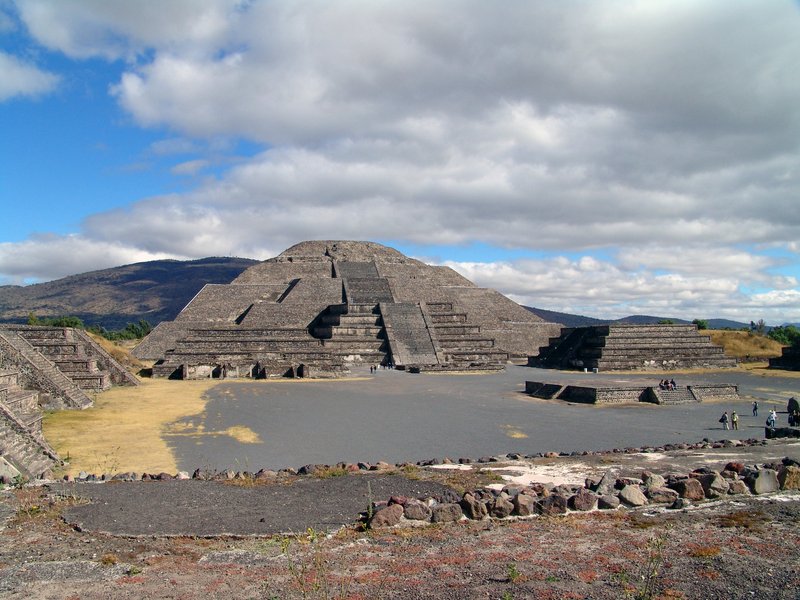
132, 331
788, 335
701, 324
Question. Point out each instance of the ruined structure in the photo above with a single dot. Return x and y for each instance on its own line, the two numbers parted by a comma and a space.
46, 367
631, 347
789, 359
616, 393
323, 305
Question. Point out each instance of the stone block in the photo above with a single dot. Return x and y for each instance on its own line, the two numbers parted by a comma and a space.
445, 513
763, 481
690, 489
789, 478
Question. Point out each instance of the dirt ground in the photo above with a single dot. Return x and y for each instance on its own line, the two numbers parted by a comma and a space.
739, 547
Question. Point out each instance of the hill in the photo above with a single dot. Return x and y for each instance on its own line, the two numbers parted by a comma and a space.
154, 290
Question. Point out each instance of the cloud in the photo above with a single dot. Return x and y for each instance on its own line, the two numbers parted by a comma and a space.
23, 79
47, 257
601, 289
661, 137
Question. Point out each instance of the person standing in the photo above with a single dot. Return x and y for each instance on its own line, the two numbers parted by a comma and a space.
724, 420
755, 408
734, 421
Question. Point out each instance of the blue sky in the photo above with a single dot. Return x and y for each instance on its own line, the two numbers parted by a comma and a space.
606, 158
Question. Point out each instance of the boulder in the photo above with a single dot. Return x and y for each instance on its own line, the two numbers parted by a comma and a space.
607, 484
735, 466
501, 507
386, 517
737, 486
552, 505
583, 500
789, 478
447, 512
416, 510
608, 502
691, 489
661, 495
632, 495
714, 485
763, 481
653, 480
473, 508
524, 504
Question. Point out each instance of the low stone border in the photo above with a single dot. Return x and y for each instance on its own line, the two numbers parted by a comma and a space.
673, 490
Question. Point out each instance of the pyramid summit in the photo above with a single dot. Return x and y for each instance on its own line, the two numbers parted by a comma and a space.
321, 306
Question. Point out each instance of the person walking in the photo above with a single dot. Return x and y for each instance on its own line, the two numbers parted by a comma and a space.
734, 421
724, 420
755, 408
772, 418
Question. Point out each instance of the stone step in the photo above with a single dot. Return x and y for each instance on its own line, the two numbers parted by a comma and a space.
449, 318
92, 381
446, 342
438, 307
454, 329
76, 365
51, 348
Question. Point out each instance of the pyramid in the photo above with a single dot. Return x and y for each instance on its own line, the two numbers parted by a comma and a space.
631, 347
322, 306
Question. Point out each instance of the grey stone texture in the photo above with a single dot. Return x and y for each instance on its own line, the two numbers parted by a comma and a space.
323, 305
626, 347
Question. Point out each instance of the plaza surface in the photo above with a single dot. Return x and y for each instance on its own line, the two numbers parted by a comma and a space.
396, 416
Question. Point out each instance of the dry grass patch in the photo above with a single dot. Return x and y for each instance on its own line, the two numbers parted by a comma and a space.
745, 344
124, 431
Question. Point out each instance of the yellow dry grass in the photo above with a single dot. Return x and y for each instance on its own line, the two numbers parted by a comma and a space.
124, 430
745, 344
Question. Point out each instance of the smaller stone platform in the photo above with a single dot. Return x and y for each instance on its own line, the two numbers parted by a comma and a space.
626, 394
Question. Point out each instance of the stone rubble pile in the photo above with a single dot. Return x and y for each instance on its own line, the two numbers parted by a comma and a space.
609, 492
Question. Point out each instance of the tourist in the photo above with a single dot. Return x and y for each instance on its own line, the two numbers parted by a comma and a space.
724, 420
734, 421
672, 384
755, 408
772, 418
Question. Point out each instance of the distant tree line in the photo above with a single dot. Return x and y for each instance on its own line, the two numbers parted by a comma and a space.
132, 331
788, 335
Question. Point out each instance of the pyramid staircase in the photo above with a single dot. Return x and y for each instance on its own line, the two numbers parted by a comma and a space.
21, 442
632, 347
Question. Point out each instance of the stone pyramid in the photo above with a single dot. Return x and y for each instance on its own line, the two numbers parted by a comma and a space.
321, 306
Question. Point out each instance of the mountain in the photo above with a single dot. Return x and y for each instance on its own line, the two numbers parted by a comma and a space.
154, 290
566, 319
569, 320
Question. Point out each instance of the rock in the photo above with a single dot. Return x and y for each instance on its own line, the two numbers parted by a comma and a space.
653, 480
386, 517
679, 504
552, 505
541, 489
790, 462
714, 485
789, 478
583, 500
551, 455
381, 466
608, 502
473, 508
401, 500
501, 507
607, 484
764, 481
524, 504
416, 510
265, 474
632, 496
444, 513
309, 469
164, 477
182, 475
737, 486
690, 489
661, 495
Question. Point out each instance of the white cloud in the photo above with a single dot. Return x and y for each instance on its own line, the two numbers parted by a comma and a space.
664, 134
23, 79
48, 257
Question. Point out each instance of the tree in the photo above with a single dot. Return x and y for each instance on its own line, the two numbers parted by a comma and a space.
759, 327
701, 323
788, 335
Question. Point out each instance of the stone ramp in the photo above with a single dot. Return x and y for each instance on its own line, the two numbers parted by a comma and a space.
367, 290
408, 335
356, 270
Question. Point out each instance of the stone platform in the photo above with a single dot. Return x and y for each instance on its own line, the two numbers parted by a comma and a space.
622, 394
631, 347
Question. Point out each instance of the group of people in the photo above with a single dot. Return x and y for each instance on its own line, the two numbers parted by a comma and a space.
667, 384
732, 421
386, 365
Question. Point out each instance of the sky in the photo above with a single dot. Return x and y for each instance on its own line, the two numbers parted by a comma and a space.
604, 158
